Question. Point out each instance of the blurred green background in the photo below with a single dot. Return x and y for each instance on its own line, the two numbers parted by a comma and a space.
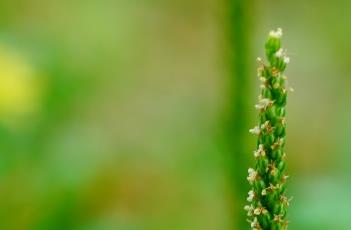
134, 114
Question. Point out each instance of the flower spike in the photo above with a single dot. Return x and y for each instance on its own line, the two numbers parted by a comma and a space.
267, 200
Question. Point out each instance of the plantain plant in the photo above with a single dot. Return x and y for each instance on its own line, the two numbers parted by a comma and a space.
268, 203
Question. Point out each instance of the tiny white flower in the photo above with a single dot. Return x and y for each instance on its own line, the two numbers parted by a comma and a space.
276, 34
263, 103
259, 59
257, 211
251, 196
286, 60
252, 175
265, 125
256, 130
254, 224
279, 53
260, 151
264, 192
249, 209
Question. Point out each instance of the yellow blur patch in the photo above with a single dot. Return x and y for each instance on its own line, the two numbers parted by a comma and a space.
19, 87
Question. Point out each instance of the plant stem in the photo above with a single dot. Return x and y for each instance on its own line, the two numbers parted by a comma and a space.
239, 30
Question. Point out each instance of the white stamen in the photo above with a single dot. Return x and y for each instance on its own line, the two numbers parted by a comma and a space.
257, 211
249, 209
252, 175
276, 34
263, 103
251, 196
255, 224
256, 130
260, 151
279, 53
286, 60
264, 192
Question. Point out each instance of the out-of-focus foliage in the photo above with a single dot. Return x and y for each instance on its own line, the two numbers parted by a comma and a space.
111, 113
20, 89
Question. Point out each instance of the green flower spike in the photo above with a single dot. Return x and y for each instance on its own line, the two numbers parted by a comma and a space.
267, 201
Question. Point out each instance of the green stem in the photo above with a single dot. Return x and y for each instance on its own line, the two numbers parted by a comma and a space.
239, 34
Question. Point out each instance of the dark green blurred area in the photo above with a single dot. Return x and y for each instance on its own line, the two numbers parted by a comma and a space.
115, 114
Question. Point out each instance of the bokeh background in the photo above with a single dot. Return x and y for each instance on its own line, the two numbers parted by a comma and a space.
134, 114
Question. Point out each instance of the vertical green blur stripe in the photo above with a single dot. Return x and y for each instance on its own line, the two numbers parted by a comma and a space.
239, 37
